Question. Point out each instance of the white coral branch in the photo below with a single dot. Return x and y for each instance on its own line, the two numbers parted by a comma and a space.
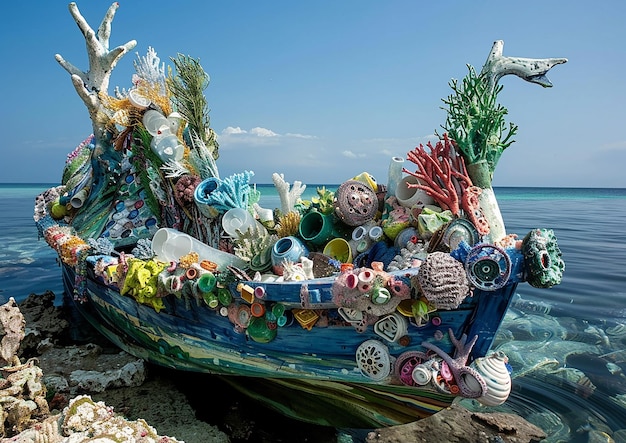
288, 197
101, 63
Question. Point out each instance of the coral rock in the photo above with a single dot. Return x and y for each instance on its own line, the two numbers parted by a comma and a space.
443, 280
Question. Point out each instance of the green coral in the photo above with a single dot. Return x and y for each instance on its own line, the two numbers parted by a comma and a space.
476, 123
324, 200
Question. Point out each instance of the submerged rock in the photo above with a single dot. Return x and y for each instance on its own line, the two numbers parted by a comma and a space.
459, 425
22, 392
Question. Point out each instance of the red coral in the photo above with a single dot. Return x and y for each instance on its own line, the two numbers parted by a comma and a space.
441, 173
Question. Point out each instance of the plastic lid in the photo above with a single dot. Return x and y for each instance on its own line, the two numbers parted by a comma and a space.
138, 100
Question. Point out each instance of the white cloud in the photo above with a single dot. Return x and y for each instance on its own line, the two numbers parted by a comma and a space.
230, 130
613, 146
308, 137
263, 132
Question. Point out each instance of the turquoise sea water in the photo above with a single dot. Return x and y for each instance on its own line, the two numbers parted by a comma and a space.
567, 344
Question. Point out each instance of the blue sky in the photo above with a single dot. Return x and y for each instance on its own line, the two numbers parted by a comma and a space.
323, 90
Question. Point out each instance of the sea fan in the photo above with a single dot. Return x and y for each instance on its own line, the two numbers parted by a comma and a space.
187, 88
173, 169
201, 158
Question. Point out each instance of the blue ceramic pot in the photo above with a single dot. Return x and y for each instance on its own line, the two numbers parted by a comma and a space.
287, 249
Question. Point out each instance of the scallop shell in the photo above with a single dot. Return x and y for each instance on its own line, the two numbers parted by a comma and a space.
496, 375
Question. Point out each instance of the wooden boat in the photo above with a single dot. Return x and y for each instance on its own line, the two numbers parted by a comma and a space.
184, 269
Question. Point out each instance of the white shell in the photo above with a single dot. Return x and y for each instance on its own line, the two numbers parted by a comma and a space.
496, 375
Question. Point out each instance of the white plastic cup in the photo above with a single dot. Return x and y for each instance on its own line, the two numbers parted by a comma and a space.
168, 147
154, 121
170, 245
359, 233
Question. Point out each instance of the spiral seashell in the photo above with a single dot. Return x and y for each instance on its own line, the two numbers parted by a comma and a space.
421, 375
496, 375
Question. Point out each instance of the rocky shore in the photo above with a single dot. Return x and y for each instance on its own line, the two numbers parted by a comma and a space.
57, 387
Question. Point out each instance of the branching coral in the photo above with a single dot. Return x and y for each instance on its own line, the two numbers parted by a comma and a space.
151, 71
253, 242
289, 196
457, 367
222, 195
201, 157
441, 173
475, 120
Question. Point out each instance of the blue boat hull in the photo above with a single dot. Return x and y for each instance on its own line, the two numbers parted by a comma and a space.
316, 364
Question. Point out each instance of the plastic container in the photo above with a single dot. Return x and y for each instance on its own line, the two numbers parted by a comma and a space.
169, 245
316, 228
259, 331
237, 221
167, 147
206, 282
408, 197
155, 122
394, 175
339, 249
287, 249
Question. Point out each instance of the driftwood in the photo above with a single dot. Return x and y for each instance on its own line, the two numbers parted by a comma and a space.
532, 70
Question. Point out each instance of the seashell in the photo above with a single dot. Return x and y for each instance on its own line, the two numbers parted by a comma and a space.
619, 330
355, 203
496, 375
